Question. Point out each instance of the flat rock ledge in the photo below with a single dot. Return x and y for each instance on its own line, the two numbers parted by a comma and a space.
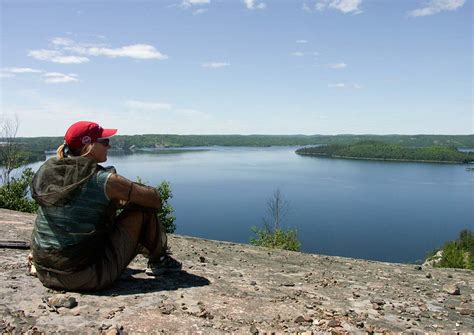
238, 288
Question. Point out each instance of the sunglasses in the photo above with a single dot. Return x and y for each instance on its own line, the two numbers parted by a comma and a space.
104, 141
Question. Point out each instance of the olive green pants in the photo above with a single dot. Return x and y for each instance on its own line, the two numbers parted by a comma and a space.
118, 251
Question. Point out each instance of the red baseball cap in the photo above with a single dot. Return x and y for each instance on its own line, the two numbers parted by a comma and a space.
85, 132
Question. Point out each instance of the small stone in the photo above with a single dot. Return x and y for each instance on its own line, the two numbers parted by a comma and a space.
464, 311
334, 323
360, 324
377, 301
253, 330
418, 267
300, 319
288, 284
428, 275
452, 289
202, 259
253, 283
61, 300
376, 307
111, 331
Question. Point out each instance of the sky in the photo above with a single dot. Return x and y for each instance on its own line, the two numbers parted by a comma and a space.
238, 67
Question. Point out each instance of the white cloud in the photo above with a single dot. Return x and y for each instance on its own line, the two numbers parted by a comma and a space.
199, 11
344, 85
215, 65
190, 3
344, 6
61, 41
21, 70
57, 78
337, 65
148, 106
137, 51
297, 54
302, 41
437, 6
67, 51
306, 8
252, 4
56, 56
338, 85
197, 2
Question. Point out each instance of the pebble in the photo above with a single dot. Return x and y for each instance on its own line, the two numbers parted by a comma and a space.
202, 259
377, 301
61, 300
452, 289
253, 330
334, 323
253, 283
300, 319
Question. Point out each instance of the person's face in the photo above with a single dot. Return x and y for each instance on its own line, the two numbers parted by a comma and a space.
99, 151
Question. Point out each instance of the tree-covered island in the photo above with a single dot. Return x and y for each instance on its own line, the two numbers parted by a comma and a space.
375, 150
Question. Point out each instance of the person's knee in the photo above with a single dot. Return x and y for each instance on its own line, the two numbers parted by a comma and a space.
132, 223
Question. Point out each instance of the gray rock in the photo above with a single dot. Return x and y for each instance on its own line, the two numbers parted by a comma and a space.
253, 330
300, 319
334, 323
452, 289
62, 300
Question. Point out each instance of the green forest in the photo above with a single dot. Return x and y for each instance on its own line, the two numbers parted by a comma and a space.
33, 148
385, 151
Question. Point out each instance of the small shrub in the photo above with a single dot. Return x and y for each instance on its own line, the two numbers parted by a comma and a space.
277, 239
14, 194
453, 256
458, 253
165, 215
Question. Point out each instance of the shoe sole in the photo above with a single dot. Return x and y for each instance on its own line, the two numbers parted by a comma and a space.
161, 271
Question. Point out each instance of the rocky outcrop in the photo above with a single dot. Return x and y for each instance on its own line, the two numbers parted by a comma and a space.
236, 288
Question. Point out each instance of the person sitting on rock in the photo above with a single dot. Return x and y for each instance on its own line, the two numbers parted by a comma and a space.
79, 243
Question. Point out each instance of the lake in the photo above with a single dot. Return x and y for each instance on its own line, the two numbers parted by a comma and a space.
388, 211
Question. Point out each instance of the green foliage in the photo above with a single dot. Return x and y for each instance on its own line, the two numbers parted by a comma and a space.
459, 253
453, 256
276, 239
14, 195
165, 214
385, 151
272, 235
123, 143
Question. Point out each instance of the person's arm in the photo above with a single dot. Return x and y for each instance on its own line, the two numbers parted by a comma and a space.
121, 189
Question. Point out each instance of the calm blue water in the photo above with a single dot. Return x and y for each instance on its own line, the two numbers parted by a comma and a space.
385, 211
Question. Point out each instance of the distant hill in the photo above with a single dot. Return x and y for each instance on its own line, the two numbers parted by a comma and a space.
150, 140
385, 151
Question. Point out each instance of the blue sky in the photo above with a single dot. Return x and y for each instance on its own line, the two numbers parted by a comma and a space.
239, 67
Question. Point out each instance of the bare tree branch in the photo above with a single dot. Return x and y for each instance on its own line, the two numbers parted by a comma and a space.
10, 157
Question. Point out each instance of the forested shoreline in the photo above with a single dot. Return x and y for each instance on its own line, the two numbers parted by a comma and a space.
33, 148
373, 150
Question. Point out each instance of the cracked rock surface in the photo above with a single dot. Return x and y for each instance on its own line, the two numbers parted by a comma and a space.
237, 288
